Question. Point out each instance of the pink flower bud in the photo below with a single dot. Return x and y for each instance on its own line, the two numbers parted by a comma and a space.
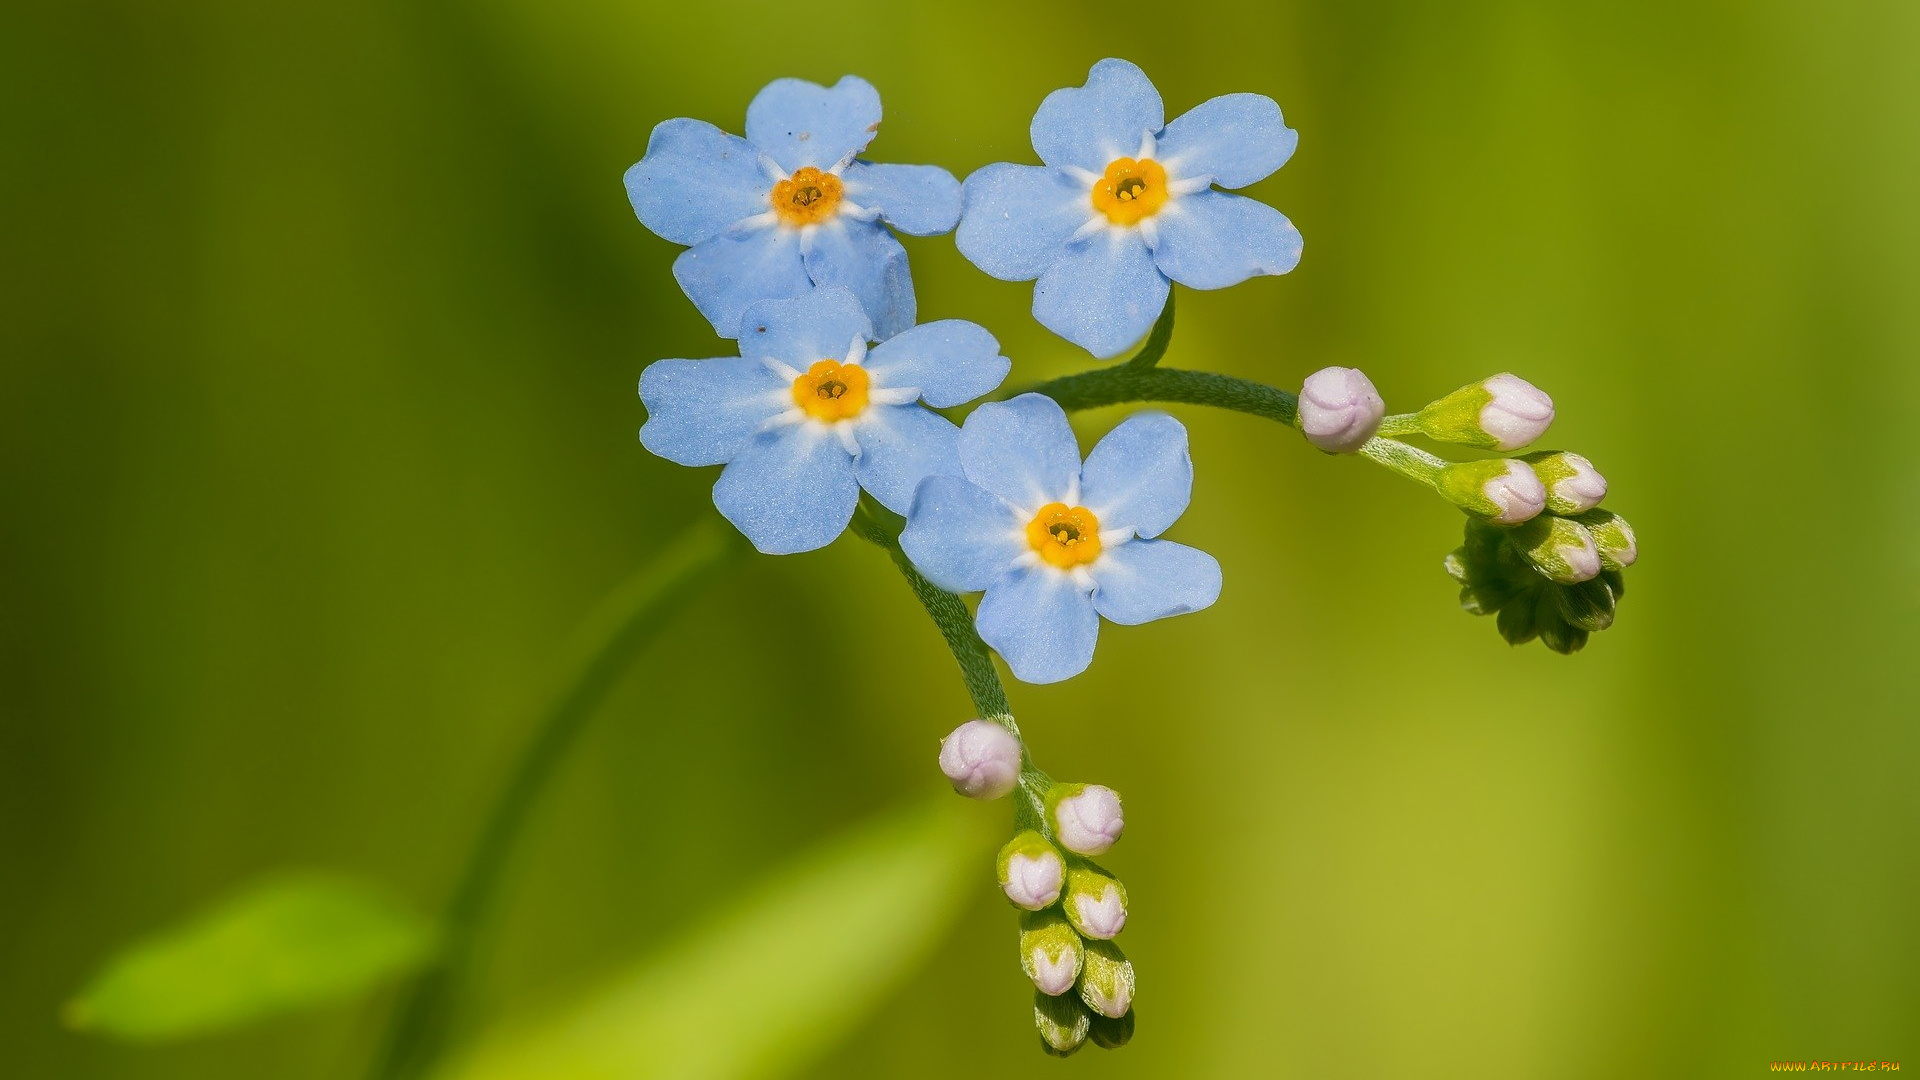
982, 759
1339, 409
1519, 413
1031, 871
1086, 817
1096, 904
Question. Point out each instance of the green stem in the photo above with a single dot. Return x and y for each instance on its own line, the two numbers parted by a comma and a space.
1117, 385
881, 527
1128, 383
1409, 461
625, 622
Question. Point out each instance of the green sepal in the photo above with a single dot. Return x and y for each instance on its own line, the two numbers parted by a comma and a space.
1559, 548
1109, 1034
1612, 537
1464, 484
1106, 979
1556, 467
1587, 605
1456, 417
1063, 1023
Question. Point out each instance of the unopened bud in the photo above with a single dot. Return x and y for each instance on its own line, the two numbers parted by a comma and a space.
1031, 871
1613, 537
1106, 980
1589, 605
1573, 485
1559, 548
1339, 409
1505, 412
1050, 952
1108, 1034
1062, 1021
982, 759
1096, 904
1086, 817
1502, 490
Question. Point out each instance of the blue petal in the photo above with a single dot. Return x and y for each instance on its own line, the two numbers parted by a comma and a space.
1140, 476
1210, 240
864, 257
1090, 125
1042, 622
1023, 451
1143, 580
960, 535
790, 490
726, 274
901, 445
951, 362
1103, 295
919, 200
820, 325
704, 412
798, 123
695, 181
1018, 219
1236, 139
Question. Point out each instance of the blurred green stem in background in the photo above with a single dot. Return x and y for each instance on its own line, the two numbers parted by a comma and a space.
624, 623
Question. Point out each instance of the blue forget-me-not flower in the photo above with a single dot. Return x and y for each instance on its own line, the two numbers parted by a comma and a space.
1055, 545
1126, 201
807, 414
788, 207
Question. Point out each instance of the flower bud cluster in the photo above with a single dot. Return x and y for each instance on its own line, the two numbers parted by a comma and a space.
1555, 578
1540, 553
1071, 910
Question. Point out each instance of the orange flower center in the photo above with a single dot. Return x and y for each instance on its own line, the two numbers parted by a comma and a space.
808, 197
1065, 536
830, 391
1130, 190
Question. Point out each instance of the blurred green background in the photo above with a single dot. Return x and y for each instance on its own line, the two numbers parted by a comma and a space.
319, 333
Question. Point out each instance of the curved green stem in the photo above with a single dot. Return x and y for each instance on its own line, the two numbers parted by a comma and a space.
1128, 383
881, 527
626, 621
1117, 385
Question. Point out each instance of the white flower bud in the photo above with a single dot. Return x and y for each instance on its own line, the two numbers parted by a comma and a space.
1574, 486
1339, 409
982, 759
1031, 871
1086, 817
1096, 904
1502, 490
1505, 412
1106, 981
1559, 548
1050, 952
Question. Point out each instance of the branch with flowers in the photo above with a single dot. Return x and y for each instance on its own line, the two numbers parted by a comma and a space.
825, 420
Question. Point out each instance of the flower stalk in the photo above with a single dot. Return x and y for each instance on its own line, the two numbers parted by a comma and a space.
626, 622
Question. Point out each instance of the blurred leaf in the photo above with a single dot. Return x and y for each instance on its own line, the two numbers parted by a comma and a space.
777, 978
286, 942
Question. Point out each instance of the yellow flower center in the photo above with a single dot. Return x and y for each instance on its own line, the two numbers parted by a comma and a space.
1065, 536
830, 390
808, 197
1130, 190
